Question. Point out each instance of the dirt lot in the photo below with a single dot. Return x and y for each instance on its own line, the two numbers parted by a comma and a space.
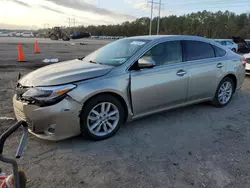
197, 146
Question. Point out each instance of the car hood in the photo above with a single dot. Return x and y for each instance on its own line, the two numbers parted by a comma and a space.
63, 73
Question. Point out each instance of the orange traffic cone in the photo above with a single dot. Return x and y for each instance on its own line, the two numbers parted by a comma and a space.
36, 47
21, 57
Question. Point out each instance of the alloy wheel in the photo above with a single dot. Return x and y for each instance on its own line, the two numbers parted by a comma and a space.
225, 92
103, 119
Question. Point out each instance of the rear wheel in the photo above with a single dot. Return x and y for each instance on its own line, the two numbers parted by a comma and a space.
53, 37
224, 92
101, 117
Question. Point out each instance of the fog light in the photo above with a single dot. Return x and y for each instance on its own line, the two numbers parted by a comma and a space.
50, 130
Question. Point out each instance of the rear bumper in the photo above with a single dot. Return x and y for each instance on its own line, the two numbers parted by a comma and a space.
61, 117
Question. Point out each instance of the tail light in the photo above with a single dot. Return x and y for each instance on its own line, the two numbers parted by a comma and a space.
243, 61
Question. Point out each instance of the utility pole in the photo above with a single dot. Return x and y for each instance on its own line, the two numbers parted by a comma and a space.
151, 18
159, 17
73, 21
69, 22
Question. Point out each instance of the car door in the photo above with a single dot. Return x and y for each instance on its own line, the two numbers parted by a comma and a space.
232, 46
204, 69
164, 85
229, 44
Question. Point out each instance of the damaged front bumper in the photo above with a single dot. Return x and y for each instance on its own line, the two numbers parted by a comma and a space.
55, 122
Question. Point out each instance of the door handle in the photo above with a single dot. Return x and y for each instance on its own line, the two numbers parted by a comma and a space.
219, 65
181, 73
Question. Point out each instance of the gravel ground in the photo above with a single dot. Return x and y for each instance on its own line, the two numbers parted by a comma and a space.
196, 146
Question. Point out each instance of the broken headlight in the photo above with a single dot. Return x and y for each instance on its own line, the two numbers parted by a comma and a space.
43, 96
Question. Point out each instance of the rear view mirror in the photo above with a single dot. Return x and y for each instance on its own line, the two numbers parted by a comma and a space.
146, 63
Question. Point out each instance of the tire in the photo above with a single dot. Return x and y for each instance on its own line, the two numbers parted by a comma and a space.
65, 38
218, 101
87, 114
53, 37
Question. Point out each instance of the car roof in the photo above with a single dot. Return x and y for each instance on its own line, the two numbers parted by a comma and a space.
177, 37
231, 40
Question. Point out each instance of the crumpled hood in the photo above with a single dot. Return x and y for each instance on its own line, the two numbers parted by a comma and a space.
63, 73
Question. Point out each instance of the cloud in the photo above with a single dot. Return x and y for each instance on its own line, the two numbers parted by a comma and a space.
13, 26
51, 9
142, 6
83, 6
20, 3
30, 6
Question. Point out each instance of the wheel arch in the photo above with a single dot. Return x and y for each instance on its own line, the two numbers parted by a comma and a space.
233, 77
114, 94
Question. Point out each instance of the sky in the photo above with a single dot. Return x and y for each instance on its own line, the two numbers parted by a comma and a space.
34, 14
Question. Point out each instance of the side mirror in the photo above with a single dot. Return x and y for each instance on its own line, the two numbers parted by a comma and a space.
146, 63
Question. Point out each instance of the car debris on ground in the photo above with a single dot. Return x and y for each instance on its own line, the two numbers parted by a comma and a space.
55, 60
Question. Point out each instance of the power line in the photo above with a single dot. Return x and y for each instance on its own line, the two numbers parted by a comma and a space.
205, 4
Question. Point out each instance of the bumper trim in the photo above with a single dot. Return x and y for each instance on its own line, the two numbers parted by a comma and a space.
50, 137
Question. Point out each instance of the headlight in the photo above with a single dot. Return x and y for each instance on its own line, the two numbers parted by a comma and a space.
47, 95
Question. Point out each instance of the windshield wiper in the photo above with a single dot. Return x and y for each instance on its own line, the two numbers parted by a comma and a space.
81, 58
93, 62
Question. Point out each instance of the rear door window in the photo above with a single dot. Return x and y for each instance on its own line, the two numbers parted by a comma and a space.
224, 43
197, 50
229, 43
219, 52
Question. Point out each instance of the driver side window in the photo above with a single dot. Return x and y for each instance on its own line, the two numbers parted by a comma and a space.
165, 53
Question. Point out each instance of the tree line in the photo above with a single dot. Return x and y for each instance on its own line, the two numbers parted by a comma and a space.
207, 24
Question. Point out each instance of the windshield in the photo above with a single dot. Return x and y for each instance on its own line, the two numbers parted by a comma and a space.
116, 53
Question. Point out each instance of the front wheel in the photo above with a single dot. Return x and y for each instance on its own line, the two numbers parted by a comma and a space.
224, 92
101, 117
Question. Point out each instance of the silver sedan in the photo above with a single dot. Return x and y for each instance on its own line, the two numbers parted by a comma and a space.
125, 80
